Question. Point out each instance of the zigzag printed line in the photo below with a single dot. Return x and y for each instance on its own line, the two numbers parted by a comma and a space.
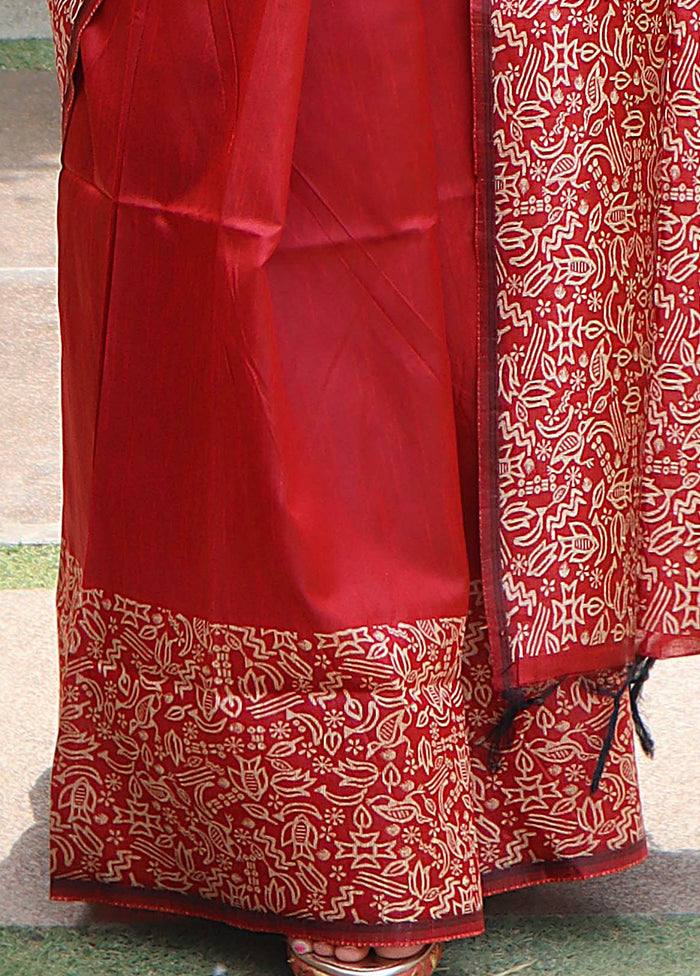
511, 151
516, 39
518, 592
560, 233
566, 509
345, 899
122, 862
514, 313
682, 509
663, 301
649, 575
518, 436
518, 845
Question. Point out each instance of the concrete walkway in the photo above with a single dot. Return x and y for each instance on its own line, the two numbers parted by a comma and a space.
29, 351
669, 882
24, 18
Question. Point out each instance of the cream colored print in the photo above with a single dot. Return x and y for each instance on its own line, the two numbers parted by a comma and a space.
597, 142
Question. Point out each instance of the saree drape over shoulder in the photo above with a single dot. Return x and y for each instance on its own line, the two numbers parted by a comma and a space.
381, 397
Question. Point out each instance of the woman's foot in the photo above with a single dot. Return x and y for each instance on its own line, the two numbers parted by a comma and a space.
309, 958
350, 953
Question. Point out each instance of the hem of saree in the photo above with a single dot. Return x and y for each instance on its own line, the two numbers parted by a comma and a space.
496, 883
390, 933
487, 372
670, 645
582, 868
579, 660
584, 660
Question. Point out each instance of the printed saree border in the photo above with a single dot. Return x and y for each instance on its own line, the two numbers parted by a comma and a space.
459, 927
496, 883
584, 868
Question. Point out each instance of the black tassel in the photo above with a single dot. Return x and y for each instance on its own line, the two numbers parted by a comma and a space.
636, 686
637, 674
501, 735
607, 744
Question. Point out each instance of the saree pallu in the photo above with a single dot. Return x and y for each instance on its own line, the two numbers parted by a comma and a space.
280, 252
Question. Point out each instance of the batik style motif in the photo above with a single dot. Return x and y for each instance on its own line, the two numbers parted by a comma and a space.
282, 784
596, 143
536, 818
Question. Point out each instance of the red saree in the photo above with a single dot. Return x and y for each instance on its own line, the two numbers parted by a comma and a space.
282, 266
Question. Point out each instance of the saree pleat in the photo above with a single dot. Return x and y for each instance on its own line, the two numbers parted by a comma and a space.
270, 303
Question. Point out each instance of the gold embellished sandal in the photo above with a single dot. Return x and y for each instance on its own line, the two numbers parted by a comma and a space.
423, 963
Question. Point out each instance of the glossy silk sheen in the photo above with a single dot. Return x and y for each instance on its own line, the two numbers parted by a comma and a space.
277, 280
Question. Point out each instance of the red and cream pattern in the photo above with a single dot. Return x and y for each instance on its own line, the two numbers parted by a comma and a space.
597, 145
325, 778
64, 14
535, 816
253, 775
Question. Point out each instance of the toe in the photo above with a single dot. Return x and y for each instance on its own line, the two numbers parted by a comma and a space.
300, 946
323, 948
397, 952
351, 953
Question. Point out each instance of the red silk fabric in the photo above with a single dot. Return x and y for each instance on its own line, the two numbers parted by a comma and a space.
276, 280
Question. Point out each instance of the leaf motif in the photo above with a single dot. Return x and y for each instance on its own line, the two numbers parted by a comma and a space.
598, 367
596, 219
598, 497
682, 266
543, 87
541, 559
672, 377
594, 91
688, 355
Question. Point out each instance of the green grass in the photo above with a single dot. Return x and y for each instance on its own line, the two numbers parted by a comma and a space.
182, 948
28, 567
581, 946
576, 946
30, 54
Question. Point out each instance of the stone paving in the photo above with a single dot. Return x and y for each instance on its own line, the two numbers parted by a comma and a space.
29, 352
24, 18
669, 882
